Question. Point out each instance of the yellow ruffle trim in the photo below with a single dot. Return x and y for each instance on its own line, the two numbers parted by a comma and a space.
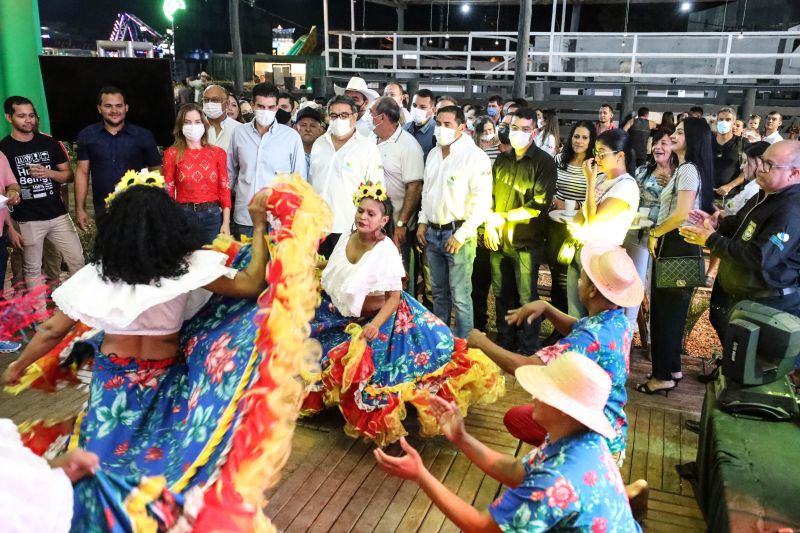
139, 498
32, 373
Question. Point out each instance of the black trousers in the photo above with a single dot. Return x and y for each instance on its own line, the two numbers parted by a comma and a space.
668, 311
482, 284
557, 233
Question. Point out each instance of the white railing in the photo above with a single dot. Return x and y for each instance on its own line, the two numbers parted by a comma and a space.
646, 56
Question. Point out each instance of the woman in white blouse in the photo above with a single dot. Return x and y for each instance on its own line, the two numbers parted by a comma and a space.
548, 137
381, 348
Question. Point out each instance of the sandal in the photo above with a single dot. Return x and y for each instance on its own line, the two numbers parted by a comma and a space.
676, 380
645, 388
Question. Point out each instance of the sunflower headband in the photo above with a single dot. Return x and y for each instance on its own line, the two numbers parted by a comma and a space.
376, 191
131, 178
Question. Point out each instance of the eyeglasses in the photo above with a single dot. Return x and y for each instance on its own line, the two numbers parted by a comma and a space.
346, 116
601, 155
767, 165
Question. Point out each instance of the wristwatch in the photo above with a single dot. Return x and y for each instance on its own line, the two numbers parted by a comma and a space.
400, 224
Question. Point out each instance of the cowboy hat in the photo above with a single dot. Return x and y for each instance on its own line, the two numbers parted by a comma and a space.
359, 85
613, 273
573, 384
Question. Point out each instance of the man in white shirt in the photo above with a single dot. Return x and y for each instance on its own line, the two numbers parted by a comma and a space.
259, 150
395, 92
456, 199
403, 167
215, 108
341, 160
771, 133
363, 96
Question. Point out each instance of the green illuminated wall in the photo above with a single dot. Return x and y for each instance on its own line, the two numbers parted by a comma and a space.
20, 46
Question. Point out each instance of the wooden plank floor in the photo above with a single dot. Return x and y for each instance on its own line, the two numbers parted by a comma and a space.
331, 482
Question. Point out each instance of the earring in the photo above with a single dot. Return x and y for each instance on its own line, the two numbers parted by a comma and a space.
383, 230
353, 229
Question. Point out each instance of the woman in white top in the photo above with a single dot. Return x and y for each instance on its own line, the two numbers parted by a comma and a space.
612, 198
691, 187
570, 185
485, 137
156, 405
381, 348
548, 137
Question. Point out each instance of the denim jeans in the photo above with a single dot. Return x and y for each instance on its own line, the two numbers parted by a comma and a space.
451, 279
525, 264
636, 246
208, 221
3, 262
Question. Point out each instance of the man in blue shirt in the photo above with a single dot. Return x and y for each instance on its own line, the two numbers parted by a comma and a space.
421, 125
607, 285
107, 150
258, 152
570, 484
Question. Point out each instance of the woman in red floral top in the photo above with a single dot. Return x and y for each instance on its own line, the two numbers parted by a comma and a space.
196, 173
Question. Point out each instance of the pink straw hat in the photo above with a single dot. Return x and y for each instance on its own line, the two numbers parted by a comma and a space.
613, 273
573, 384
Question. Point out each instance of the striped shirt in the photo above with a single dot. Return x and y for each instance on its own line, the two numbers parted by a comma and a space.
492, 151
571, 183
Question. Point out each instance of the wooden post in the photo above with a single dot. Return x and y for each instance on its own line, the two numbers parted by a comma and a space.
523, 40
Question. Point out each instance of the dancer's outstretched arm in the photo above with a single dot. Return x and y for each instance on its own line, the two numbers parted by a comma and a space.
48, 334
250, 282
506, 469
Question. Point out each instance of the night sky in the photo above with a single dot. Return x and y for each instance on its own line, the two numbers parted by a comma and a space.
93, 19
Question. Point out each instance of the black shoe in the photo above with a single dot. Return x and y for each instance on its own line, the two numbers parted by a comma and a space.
693, 426
645, 388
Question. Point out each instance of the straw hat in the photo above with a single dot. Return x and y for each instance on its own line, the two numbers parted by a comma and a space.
573, 384
359, 85
613, 273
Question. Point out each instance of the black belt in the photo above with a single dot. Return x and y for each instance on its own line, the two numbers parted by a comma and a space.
203, 206
771, 293
454, 225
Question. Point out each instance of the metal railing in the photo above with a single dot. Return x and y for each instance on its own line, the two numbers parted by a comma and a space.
709, 57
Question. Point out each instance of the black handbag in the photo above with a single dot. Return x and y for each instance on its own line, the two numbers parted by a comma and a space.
682, 272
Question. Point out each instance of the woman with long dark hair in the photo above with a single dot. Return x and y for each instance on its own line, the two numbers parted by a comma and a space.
485, 137
691, 187
196, 174
570, 186
548, 137
612, 198
651, 177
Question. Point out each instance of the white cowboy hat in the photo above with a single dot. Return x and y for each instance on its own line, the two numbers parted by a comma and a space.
573, 384
359, 85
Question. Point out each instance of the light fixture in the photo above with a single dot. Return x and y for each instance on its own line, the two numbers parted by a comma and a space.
430, 41
465, 8
740, 36
496, 42
686, 6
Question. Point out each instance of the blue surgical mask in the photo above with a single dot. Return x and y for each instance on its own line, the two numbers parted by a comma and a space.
491, 111
723, 126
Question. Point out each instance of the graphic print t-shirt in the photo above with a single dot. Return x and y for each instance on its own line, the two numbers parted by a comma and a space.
41, 197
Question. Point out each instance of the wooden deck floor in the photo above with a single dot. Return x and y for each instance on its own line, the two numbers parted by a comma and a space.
331, 482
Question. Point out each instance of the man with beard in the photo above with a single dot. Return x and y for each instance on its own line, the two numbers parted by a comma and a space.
108, 149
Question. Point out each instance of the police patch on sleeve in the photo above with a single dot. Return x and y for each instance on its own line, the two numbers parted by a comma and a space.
748, 231
780, 240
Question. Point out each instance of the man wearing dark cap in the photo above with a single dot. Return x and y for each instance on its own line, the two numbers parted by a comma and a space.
310, 127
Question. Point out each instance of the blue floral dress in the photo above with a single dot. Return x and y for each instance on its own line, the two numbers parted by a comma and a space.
414, 355
571, 485
171, 418
605, 338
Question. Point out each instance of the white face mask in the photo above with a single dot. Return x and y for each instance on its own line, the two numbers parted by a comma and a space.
487, 137
420, 116
723, 126
193, 132
212, 110
540, 123
519, 139
373, 124
265, 117
471, 125
340, 127
444, 136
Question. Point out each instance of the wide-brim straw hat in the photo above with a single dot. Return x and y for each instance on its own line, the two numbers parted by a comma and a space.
359, 85
573, 384
613, 273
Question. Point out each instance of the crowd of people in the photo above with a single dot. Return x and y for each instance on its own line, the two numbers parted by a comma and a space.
433, 206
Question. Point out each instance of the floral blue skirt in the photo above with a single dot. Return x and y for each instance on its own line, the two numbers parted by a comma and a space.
171, 418
415, 355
